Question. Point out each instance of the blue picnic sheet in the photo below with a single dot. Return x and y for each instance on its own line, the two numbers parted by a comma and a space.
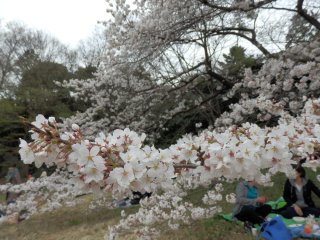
296, 228
299, 232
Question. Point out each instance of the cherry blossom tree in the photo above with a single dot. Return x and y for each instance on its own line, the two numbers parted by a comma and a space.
121, 162
283, 84
162, 60
159, 55
20, 49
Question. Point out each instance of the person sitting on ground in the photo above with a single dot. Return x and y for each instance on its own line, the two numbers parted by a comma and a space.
13, 177
250, 207
137, 196
297, 194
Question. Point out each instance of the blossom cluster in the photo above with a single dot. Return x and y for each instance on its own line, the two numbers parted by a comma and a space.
168, 208
282, 86
213, 196
42, 194
120, 162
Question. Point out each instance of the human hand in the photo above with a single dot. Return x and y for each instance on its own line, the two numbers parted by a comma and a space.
261, 199
298, 210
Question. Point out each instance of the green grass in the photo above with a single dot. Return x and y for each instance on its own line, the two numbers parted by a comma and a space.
2, 197
82, 223
66, 223
214, 228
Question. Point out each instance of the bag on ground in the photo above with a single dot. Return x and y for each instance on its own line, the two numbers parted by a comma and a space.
275, 229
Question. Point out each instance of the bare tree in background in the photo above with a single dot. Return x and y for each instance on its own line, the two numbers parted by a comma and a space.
20, 47
91, 50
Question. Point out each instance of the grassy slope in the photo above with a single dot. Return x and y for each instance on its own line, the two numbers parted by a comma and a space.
81, 223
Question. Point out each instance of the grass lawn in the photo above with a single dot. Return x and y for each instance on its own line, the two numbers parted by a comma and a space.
2, 197
82, 223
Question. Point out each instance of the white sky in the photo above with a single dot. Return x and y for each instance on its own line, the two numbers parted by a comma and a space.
67, 20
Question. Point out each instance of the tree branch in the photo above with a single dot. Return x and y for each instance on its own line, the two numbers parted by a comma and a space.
278, 8
235, 7
253, 40
313, 21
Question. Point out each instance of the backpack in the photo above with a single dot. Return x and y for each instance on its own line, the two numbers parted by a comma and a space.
275, 229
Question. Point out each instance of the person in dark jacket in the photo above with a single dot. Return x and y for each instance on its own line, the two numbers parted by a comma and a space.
249, 205
297, 194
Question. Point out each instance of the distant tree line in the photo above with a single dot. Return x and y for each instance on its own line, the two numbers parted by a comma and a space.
32, 64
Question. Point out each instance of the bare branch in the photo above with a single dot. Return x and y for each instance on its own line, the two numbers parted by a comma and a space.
239, 8
279, 8
237, 32
313, 21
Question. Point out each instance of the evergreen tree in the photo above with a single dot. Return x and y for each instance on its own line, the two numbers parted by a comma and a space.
39, 93
36, 93
236, 61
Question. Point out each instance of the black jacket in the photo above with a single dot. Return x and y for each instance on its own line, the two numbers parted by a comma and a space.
289, 192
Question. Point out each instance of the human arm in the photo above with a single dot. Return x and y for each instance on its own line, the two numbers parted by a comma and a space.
298, 210
261, 199
241, 195
314, 188
287, 193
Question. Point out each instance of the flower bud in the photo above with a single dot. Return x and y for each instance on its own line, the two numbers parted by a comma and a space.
104, 149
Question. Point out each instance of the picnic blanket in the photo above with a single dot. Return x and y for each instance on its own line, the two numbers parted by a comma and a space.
299, 232
296, 228
288, 222
279, 203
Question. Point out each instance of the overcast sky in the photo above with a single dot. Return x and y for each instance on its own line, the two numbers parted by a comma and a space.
67, 20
